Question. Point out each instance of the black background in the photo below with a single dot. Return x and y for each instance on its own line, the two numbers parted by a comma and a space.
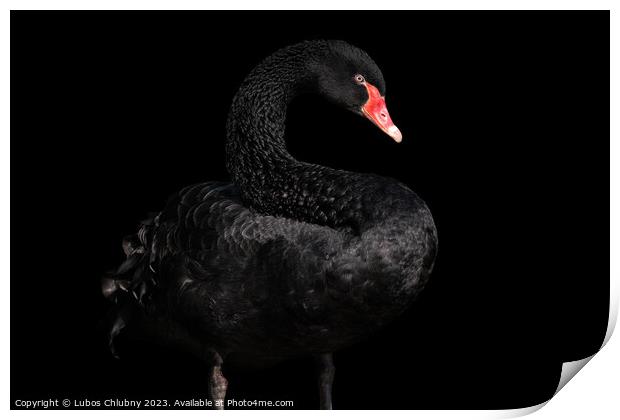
505, 117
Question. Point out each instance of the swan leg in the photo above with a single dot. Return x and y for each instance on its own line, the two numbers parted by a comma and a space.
325, 363
217, 382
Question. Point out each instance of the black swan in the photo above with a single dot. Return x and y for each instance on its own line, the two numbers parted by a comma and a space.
291, 258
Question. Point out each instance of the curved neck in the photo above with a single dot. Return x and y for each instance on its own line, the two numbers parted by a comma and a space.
256, 121
256, 154
271, 181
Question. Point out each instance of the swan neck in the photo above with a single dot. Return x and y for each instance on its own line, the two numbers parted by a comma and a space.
270, 180
256, 152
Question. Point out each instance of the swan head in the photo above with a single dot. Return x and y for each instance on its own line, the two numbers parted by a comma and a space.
348, 77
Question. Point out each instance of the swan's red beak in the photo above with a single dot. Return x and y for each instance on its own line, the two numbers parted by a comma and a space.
376, 111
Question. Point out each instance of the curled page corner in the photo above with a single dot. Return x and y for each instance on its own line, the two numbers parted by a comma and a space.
569, 369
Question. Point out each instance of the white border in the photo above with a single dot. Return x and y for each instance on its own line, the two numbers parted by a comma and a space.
593, 395
311, 5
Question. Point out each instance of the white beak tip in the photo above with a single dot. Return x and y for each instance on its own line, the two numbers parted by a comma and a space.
395, 133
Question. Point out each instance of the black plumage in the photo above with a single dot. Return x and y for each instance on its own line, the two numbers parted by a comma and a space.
291, 258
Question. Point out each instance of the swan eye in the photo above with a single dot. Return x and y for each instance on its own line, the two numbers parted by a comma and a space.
359, 79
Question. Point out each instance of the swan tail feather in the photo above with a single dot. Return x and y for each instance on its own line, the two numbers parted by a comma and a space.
129, 287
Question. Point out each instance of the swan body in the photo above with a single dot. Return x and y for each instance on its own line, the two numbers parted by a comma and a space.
290, 258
